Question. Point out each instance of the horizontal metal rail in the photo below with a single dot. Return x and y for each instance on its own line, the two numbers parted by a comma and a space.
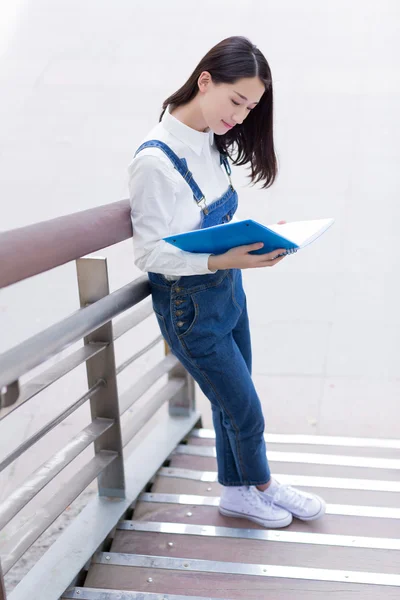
46, 344
53, 423
264, 535
12, 550
132, 395
46, 472
193, 565
61, 240
53, 573
75, 359
139, 419
37, 384
132, 359
126, 323
101, 594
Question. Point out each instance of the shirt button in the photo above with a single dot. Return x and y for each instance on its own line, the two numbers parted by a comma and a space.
180, 323
178, 302
178, 290
179, 313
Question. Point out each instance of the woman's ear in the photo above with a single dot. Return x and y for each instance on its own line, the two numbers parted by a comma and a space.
204, 81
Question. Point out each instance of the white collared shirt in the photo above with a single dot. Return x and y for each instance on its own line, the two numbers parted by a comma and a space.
162, 202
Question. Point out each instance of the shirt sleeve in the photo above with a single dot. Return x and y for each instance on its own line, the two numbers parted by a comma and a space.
152, 194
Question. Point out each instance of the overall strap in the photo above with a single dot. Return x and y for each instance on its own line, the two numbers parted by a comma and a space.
181, 166
224, 161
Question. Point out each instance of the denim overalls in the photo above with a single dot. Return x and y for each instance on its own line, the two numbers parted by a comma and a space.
203, 319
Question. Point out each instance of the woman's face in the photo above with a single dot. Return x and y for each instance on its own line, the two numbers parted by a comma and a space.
225, 105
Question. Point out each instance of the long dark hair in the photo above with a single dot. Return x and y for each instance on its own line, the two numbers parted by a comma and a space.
252, 141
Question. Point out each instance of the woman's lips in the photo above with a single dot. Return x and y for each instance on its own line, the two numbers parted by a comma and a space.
227, 124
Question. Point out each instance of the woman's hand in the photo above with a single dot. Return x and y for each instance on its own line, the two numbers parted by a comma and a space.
239, 258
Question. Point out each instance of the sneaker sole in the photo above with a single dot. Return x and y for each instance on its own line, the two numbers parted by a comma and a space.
270, 524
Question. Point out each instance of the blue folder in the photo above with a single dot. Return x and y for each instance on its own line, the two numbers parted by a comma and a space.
221, 238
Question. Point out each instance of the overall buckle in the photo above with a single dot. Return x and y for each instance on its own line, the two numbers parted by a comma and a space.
203, 205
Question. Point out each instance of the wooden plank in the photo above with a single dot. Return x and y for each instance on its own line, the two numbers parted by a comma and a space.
216, 585
205, 463
177, 485
209, 515
313, 448
257, 551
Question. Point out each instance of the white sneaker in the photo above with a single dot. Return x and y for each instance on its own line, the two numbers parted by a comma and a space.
245, 503
302, 505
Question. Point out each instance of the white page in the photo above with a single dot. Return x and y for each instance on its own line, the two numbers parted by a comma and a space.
302, 232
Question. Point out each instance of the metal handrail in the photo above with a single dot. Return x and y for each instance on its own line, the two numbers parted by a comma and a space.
142, 416
134, 357
44, 474
132, 394
44, 517
49, 376
95, 229
61, 240
49, 426
126, 323
44, 345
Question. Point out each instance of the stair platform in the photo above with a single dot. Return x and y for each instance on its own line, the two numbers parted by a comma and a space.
178, 547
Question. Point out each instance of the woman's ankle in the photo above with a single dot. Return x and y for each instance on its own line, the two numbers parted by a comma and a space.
264, 486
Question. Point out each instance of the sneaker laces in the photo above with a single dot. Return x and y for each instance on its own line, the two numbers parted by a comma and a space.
258, 500
287, 493
251, 496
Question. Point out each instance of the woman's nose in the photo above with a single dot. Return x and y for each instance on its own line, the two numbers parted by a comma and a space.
239, 117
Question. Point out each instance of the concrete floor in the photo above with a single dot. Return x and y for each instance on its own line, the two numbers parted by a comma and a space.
82, 83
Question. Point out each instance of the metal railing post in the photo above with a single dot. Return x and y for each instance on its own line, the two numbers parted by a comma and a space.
2, 586
93, 285
184, 402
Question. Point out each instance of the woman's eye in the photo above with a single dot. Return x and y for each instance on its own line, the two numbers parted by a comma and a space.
238, 104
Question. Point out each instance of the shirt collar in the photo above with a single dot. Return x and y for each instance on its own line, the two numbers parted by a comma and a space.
196, 140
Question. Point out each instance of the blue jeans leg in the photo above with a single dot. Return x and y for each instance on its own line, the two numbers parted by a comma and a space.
204, 320
241, 335
224, 378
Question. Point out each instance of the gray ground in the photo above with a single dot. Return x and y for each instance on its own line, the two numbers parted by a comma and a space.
82, 83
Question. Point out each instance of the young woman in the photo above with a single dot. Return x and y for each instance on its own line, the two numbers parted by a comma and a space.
179, 180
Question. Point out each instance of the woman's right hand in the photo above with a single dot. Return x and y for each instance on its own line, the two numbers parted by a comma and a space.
239, 258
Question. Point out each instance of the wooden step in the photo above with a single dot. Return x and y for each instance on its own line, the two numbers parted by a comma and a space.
179, 547
222, 579
209, 463
302, 458
332, 494
297, 549
209, 515
317, 448
383, 448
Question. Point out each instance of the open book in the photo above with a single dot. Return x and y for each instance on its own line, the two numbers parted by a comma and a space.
221, 238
